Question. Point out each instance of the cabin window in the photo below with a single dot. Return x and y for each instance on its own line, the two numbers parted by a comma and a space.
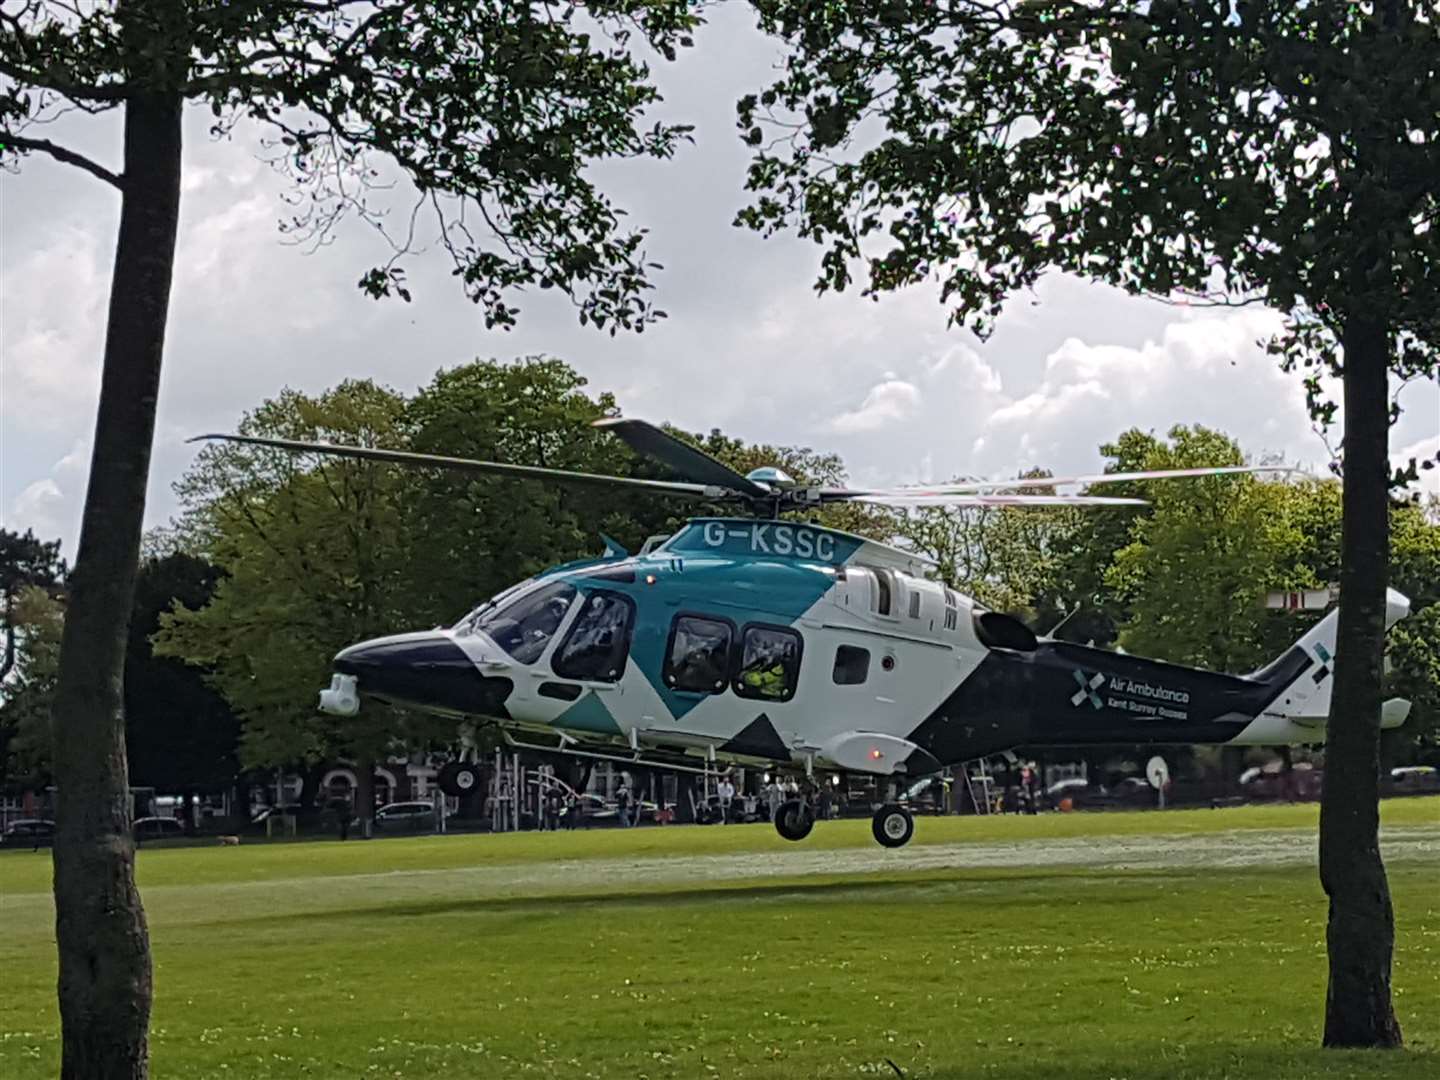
852, 665
914, 604
769, 663
698, 658
598, 643
524, 627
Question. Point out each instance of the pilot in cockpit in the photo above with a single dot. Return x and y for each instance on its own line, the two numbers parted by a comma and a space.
541, 623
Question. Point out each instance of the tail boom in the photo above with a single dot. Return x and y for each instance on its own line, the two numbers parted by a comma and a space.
1062, 694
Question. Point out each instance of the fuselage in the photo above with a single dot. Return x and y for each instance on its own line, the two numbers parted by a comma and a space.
744, 639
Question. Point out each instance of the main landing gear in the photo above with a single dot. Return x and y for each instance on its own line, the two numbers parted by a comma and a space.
794, 819
892, 824
458, 779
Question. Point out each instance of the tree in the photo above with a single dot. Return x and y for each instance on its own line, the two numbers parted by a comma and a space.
1194, 576
320, 554
1089, 549
29, 690
1415, 676
1413, 652
474, 536
1279, 153
180, 735
24, 561
314, 558
491, 110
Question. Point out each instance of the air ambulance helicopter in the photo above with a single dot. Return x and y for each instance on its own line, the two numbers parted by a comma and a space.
757, 639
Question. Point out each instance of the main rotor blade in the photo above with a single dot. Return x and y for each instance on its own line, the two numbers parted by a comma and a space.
981, 486
940, 498
650, 441
435, 461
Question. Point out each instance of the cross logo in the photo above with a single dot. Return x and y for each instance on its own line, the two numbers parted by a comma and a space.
1087, 689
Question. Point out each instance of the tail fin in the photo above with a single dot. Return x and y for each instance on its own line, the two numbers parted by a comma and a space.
1303, 676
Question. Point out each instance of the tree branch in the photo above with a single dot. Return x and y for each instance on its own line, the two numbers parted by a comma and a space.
112, 93
59, 153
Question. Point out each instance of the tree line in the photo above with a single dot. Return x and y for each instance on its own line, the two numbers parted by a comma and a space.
277, 562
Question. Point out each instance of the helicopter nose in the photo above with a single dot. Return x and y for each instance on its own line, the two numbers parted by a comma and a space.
426, 671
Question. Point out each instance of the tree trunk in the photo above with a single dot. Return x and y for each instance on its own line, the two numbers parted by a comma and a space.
104, 946
240, 806
310, 778
9, 661
365, 793
1361, 932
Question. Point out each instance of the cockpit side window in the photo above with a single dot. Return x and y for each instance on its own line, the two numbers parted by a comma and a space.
598, 643
471, 621
524, 627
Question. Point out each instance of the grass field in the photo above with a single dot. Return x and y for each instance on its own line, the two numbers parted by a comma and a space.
1183, 944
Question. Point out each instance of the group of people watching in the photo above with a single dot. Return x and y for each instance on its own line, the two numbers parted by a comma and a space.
730, 806
560, 808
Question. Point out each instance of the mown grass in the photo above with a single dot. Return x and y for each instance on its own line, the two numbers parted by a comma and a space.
161, 865
1008, 973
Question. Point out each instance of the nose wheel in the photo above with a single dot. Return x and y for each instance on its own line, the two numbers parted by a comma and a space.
794, 819
892, 825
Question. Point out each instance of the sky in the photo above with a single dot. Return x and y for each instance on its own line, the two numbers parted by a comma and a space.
748, 346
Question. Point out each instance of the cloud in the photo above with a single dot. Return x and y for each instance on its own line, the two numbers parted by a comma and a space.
54, 321
1201, 369
1427, 449
748, 347
887, 403
52, 504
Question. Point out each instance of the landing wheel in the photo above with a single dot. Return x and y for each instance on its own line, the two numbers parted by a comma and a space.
458, 779
892, 825
794, 820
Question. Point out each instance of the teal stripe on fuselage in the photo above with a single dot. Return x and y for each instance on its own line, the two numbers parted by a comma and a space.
737, 568
741, 590
588, 714
744, 538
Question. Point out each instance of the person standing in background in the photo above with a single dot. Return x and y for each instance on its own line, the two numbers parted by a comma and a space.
726, 791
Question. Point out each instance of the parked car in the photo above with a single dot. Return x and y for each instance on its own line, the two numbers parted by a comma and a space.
926, 796
1131, 791
1080, 792
266, 812
1134, 791
30, 832
607, 811
157, 828
1409, 779
405, 816
1271, 781
1061, 788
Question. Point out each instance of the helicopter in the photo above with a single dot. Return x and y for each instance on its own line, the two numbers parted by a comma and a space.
761, 639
